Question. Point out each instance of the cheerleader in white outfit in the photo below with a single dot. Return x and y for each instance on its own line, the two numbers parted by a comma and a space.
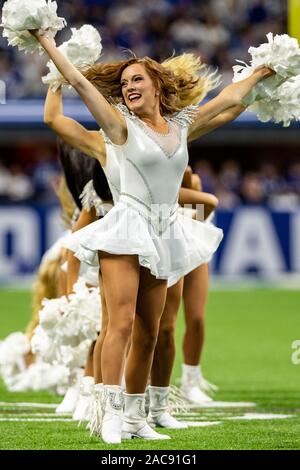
163, 359
142, 241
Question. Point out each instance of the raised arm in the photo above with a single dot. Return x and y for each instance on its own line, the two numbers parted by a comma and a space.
231, 96
107, 117
223, 118
89, 142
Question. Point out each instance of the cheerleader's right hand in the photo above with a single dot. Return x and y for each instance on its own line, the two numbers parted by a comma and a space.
264, 72
34, 32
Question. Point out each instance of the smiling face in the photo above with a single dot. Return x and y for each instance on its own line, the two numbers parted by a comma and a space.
138, 89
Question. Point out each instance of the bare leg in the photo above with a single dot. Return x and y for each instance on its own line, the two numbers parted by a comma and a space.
120, 275
100, 339
150, 304
73, 270
195, 293
89, 368
164, 354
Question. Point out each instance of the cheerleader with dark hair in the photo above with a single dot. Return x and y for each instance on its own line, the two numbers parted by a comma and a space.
89, 188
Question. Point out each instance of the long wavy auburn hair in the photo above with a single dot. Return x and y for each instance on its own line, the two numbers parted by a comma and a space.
182, 80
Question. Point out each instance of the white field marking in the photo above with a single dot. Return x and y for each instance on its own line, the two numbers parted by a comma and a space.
200, 419
250, 416
25, 410
201, 415
200, 424
221, 404
41, 420
33, 415
29, 405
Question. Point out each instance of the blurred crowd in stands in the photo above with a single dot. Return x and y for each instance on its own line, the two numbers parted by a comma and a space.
33, 181
230, 183
265, 185
220, 31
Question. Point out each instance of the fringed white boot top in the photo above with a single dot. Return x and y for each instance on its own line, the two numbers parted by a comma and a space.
113, 404
95, 424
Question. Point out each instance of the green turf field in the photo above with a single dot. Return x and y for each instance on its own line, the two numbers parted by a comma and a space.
248, 354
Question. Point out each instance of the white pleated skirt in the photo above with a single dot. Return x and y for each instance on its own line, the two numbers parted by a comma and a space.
167, 243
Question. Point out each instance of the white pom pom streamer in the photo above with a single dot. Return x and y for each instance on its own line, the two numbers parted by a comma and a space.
67, 328
285, 107
40, 376
19, 16
60, 343
83, 50
13, 348
12, 351
281, 54
276, 97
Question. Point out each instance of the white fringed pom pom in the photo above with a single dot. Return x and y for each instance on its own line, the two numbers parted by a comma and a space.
277, 97
13, 348
83, 50
284, 108
19, 16
67, 328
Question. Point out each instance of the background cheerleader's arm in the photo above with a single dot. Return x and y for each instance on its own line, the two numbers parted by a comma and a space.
187, 178
107, 117
223, 118
84, 219
191, 180
196, 198
89, 142
231, 96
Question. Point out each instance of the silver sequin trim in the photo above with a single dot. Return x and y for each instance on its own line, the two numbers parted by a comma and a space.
112, 400
143, 178
186, 116
113, 185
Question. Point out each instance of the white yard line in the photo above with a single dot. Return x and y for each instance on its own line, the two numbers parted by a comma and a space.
41, 420
201, 424
35, 415
29, 404
251, 416
201, 415
221, 404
